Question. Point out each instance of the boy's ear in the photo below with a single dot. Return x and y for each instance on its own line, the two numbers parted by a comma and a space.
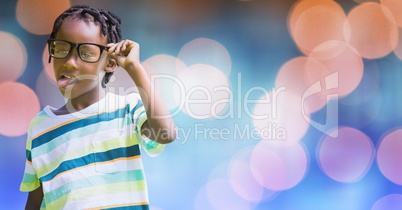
111, 65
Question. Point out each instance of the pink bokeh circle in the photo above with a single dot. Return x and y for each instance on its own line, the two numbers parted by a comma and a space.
347, 157
37, 16
206, 51
277, 167
373, 30
13, 57
163, 73
19, 104
202, 92
292, 77
222, 197
389, 156
278, 116
342, 69
314, 22
395, 7
242, 180
389, 202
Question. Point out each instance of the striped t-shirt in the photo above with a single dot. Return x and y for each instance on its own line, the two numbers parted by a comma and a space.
90, 159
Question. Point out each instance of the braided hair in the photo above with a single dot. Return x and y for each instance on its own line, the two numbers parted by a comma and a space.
109, 24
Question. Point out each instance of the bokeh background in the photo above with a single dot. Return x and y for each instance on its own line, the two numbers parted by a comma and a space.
279, 104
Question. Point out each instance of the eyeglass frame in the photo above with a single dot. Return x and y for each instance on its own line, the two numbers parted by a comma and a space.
77, 46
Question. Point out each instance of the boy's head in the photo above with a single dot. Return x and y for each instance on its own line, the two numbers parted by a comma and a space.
108, 22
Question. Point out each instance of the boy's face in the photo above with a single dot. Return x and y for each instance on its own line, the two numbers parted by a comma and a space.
75, 77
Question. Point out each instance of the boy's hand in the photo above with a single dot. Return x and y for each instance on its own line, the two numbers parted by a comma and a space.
126, 53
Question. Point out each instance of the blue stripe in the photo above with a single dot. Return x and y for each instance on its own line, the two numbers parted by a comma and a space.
141, 207
28, 155
102, 117
117, 153
90, 158
139, 105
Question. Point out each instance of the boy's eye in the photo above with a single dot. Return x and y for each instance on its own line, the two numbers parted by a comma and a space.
87, 55
60, 52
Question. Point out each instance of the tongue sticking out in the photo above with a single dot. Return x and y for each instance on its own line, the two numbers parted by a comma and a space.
63, 82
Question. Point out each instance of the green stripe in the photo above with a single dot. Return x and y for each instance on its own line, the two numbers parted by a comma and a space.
125, 176
29, 183
29, 178
149, 145
108, 189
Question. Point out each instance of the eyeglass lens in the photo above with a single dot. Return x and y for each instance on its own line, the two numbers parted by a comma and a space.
87, 52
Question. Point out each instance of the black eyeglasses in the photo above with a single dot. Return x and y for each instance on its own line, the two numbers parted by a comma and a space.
88, 52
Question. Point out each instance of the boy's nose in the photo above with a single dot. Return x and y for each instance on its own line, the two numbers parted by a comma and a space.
72, 58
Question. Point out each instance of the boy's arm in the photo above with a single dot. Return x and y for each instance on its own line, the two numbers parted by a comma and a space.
159, 125
34, 199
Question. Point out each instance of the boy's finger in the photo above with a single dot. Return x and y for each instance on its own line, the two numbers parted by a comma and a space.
119, 47
112, 47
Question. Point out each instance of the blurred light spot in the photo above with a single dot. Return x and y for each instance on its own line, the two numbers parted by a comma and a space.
313, 22
242, 179
278, 116
291, 76
163, 64
38, 16
389, 202
19, 104
395, 7
13, 57
162, 71
373, 31
206, 51
48, 92
121, 83
389, 156
278, 167
398, 49
48, 66
222, 197
348, 157
203, 92
340, 59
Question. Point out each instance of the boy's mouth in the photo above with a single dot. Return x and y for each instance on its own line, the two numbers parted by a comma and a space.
66, 80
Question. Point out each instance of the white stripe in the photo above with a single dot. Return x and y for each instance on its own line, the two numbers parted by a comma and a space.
80, 145
92, 170
107, 200
112, 103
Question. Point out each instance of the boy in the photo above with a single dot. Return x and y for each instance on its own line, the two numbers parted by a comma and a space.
85, 155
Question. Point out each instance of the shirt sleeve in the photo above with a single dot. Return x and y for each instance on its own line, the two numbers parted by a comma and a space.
152, 148
30, 180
